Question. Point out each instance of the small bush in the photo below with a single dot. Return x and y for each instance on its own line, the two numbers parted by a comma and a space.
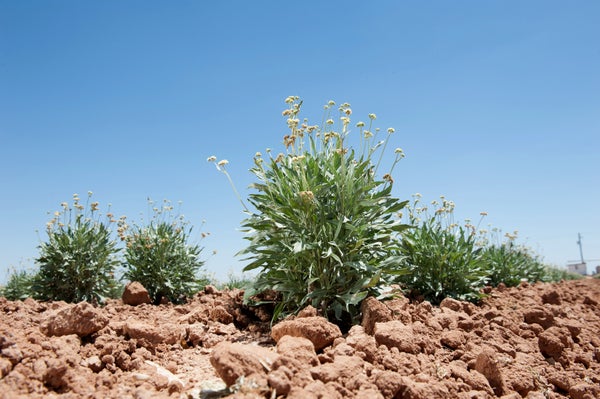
511, 264
442, 257
555, 274
161, 259
242, 281
78, 260
323, 232
19, 285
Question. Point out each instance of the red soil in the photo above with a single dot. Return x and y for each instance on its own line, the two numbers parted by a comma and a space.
538, 341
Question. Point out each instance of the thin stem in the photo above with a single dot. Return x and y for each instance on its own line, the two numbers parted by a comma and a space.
233, 187
382, 152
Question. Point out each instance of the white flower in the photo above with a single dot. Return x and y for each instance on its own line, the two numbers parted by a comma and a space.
212, 158
222, 162
360, 124
329, 121
372, 116
391, 130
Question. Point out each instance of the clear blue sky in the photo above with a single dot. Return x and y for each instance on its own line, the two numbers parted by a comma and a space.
496, 105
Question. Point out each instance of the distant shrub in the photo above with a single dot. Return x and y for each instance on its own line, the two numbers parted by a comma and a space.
159, 256
19, 285
510, 264
442, 257
240, 281
555, 274
78, 260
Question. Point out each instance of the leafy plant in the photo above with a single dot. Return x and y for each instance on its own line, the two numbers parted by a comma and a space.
78, 260
19, 285
323, 232
510, 264
161, 259
243, 281
555, 274
442, 256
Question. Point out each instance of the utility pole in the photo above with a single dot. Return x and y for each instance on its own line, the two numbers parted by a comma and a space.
580, 247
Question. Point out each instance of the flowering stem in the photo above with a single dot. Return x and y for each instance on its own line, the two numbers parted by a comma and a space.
382, 152
221, 169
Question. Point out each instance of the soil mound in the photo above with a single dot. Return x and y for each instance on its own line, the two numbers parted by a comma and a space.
532, 341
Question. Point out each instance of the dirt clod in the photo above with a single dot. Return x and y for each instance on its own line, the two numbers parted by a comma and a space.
135, 294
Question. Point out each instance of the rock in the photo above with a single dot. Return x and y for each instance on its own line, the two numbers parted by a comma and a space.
520, 379
558, 379
211, 290
473, 378
93, 363
81, 319
317, 329
220, 314
400, 362
389, 384
588, 300
149, 335
55, 373
280, 380
573, 326
551, 296
5, 367
362, 342
425, 390
368, 393
341, 370
539, 315
163, 378
135, 294
584, 391
308, 311
373, 312
299, 348
553, 341
395, 334
487, 364
12, 353
452, 304
234, 360
453, 339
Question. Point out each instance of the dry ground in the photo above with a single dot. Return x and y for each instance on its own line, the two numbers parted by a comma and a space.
533, 341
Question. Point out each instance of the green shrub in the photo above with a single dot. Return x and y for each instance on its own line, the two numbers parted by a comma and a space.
510, 264
323, 232
555, 274
161, 259
78, 260
443, 258
243, 281
19, 285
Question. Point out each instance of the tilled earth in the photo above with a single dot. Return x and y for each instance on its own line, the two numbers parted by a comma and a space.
533, 341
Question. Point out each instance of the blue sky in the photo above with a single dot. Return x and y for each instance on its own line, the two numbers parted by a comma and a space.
496, 105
